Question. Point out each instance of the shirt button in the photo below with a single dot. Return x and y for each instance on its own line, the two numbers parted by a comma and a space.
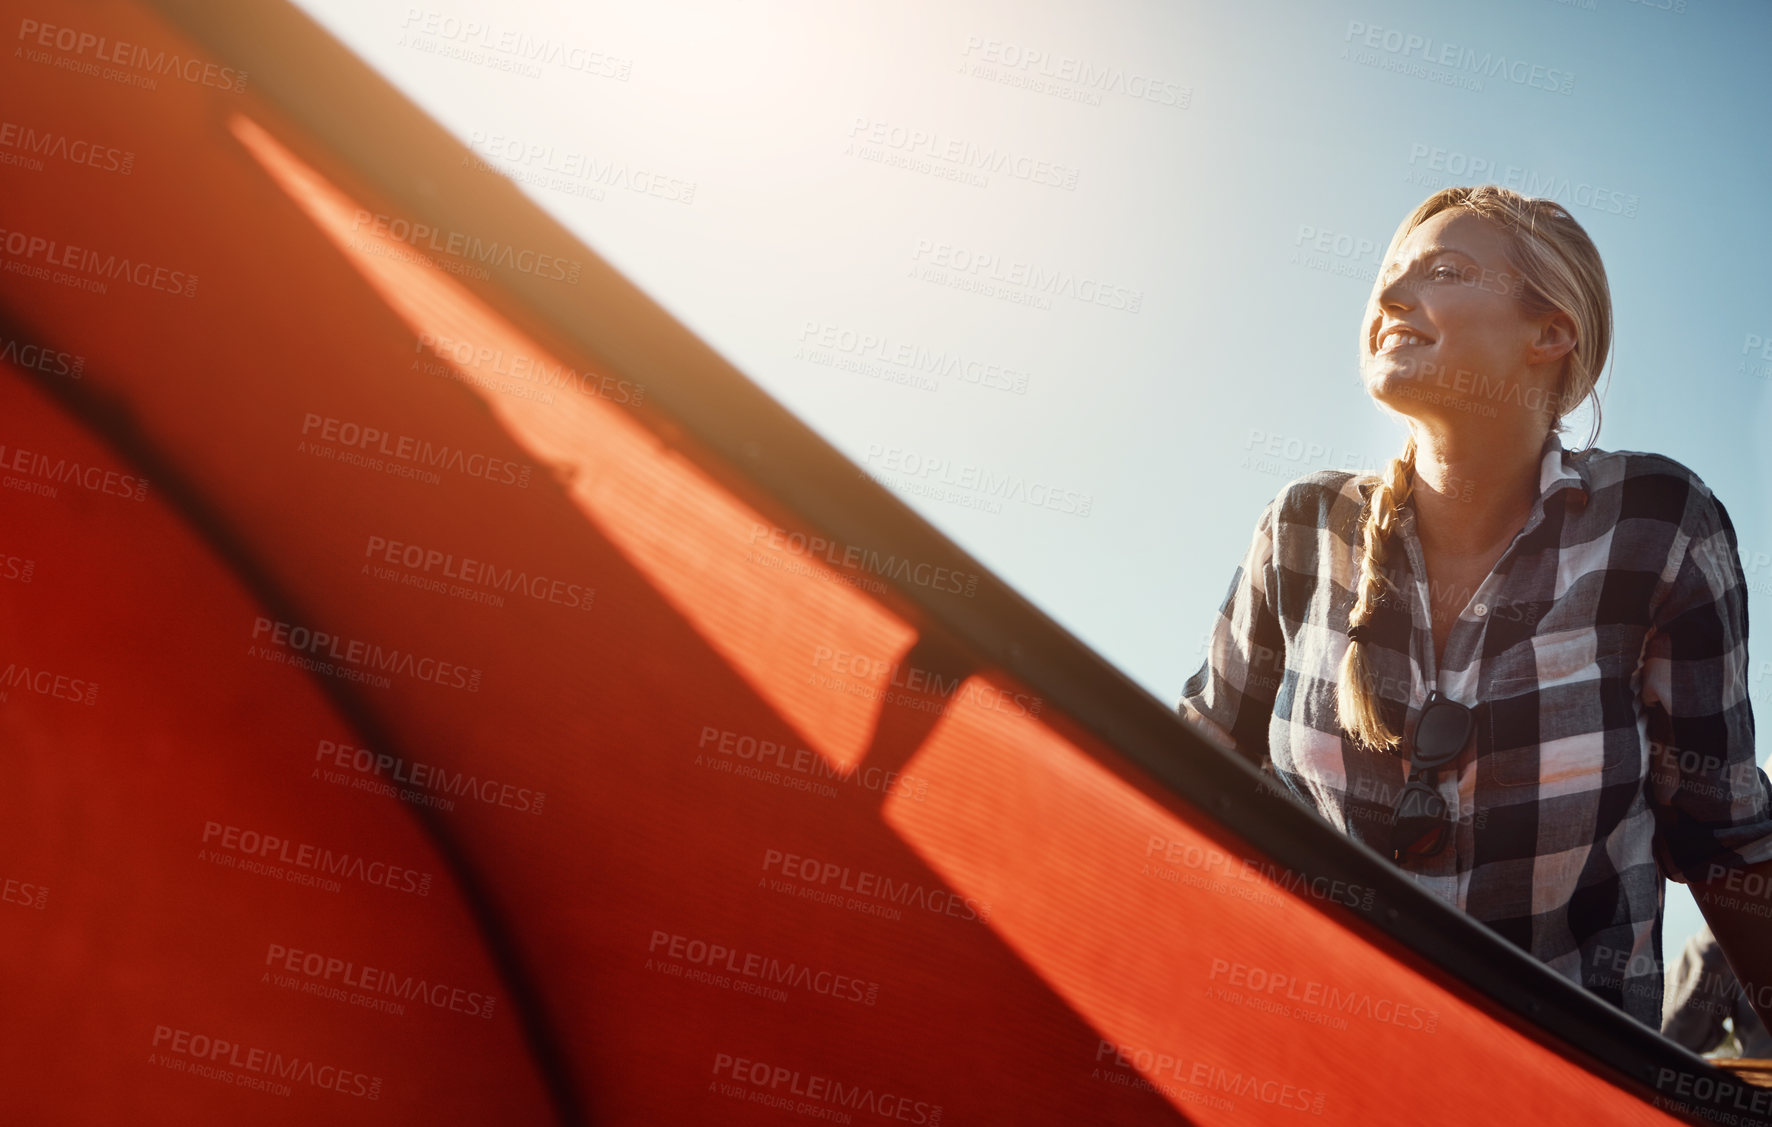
1481, 610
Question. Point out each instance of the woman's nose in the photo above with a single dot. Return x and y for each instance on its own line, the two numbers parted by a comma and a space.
1398, 293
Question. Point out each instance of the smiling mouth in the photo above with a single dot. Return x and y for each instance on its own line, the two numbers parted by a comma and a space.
1394, 339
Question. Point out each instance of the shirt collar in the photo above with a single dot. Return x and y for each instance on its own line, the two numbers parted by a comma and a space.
1557, 470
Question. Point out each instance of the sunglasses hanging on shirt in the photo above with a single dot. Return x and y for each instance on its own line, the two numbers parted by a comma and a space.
1419, 824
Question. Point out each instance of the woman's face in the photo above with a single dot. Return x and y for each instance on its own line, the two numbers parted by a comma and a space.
1446, 338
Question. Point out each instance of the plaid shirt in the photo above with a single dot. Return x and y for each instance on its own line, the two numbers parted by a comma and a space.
1606, 658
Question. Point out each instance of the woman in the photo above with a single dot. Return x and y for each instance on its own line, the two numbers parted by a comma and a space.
1519, 672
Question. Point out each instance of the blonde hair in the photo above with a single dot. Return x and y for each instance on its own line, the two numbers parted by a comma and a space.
1560, 269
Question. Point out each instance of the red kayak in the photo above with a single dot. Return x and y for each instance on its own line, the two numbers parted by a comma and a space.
439, 689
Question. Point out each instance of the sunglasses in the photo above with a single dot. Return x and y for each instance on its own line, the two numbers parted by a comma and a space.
1419, 826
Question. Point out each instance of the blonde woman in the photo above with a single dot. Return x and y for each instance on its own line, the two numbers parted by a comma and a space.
1518, 671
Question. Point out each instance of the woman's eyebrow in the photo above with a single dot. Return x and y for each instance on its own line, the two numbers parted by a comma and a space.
1427, 253
1438, 249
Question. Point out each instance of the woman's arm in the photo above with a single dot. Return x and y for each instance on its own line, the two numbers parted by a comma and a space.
1712, 802
1700, 994
1737, 903
1231, 698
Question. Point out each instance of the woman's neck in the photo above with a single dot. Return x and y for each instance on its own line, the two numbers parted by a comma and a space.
1474, 489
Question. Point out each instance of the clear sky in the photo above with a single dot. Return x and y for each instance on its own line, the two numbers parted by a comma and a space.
1083, 281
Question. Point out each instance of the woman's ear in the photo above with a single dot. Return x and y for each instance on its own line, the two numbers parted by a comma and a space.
1554, 339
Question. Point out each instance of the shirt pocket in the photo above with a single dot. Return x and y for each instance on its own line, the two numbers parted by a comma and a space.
1553, 661
1570, 765
1548, 716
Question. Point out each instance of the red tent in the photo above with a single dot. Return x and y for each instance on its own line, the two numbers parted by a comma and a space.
438, 688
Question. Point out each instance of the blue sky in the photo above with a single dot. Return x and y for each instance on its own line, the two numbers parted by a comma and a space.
1102, 265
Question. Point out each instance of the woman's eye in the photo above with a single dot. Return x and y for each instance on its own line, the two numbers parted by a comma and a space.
1443, 272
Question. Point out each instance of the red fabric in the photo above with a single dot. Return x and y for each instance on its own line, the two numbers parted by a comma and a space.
1024, 931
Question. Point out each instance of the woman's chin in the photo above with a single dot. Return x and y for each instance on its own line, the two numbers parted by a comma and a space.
1403, 393
1386, 379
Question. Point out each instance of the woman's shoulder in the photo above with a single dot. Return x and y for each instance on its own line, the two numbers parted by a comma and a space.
1643, 483
1617, 465
1322, 499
